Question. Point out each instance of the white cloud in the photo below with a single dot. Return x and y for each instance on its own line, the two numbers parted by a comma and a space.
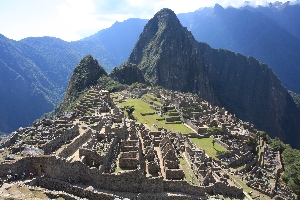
78, 19
75, 19
75, 16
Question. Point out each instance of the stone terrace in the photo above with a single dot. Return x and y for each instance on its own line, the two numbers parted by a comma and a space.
97, 146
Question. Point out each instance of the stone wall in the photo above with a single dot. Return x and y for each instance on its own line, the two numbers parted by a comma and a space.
174, 174
9, 140
92, 158
244, 158
26, 164
221, 143
184, 187
217, 188
129, 160
133, 181
129, 145
62, 138
193, 126
75, 144
53, 184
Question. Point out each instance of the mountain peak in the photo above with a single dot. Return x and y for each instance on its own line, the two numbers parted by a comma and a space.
165, 18
85, 74
165, 13
160, 32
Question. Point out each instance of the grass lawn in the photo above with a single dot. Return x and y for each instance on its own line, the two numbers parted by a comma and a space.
207, 145
189, 174
142, 107
151, 96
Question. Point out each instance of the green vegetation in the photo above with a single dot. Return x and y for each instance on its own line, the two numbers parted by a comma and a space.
214, 130
127, 73
276, 143
129, 110
150, 119
71, 105
291, 161
212, 150
152, 98
109, 84
296, 98
137, 85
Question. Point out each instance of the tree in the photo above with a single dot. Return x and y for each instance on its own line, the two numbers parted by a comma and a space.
214, 130
129, 110
277, 145
265, 136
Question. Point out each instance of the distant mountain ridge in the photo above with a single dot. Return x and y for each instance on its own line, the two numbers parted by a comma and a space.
259, 32
286, 14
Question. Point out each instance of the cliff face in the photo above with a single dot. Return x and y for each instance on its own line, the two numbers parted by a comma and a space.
127, 73
250, 89
85, 74
168, 55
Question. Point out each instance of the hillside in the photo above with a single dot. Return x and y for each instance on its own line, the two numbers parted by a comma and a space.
168, 55
22, 88
127, 73
43, 66
86, 74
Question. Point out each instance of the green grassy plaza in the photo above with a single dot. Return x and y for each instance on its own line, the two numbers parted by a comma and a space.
207, 145
142, 107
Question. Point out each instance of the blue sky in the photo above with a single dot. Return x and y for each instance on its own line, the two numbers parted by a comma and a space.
72, 20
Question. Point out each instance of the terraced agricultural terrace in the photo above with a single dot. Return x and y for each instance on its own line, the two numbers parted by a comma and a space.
166, 152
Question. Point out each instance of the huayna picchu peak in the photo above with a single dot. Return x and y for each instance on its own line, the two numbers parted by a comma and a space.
165, 52
172, 58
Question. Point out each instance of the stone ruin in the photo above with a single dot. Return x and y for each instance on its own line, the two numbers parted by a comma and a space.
120, 158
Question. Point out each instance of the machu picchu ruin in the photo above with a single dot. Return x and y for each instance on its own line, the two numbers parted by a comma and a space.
96, 152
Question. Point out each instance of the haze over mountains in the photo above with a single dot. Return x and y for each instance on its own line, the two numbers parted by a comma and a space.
43, 66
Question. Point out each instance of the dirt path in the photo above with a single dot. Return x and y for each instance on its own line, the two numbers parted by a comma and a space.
157, 149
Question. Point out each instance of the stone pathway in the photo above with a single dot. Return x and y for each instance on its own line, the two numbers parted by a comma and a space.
74, 157
190, 128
